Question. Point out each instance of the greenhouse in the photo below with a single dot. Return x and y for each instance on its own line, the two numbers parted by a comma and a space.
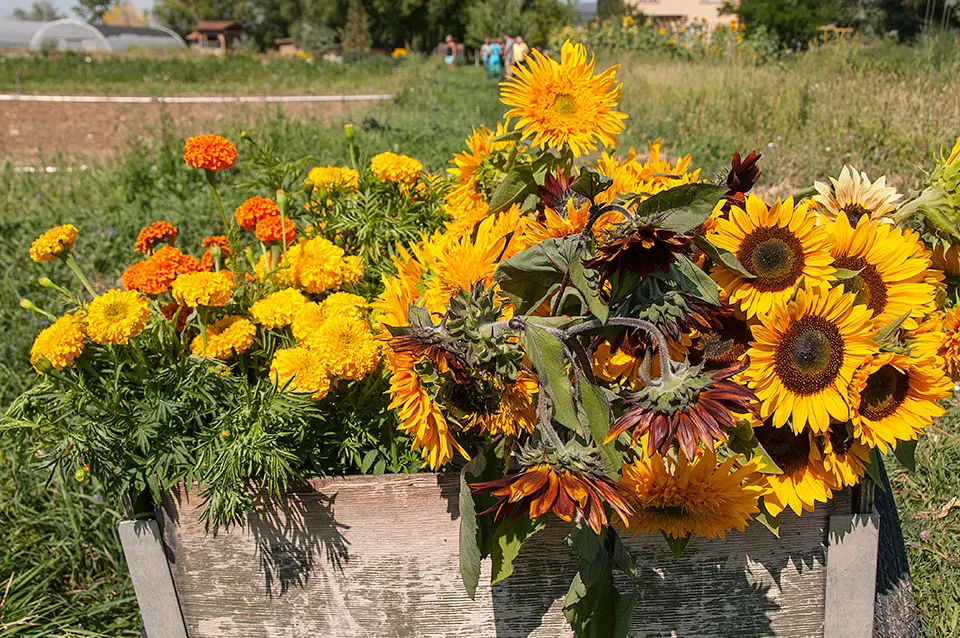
69, 34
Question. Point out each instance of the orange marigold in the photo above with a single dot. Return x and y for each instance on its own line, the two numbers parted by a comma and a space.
214, 240
268, 231
153, 234
155, 275
227, 337
255, 209
209, 152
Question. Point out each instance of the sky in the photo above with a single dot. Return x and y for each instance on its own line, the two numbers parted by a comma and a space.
65, 6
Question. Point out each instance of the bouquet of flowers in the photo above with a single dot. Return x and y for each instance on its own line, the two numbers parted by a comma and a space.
629, 348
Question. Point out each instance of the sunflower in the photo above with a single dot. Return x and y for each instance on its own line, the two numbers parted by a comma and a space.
116, 316
400, 291
640, 249
894, 397
657, 174
564, 105
692, 407
889, 279
209, 152
854, 195
345, 346
566, 492
949, 342
516, 412
227, 337
53, 243
153, 234
844, 456
300, 370
58, 344
686, 497
419, 415
474, 177
804, 355
211, 289
933, 340
269, 231
781, 246
254, 210
395, 169
804, 481
726, 344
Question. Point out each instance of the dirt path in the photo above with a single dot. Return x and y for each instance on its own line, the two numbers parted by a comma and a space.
45, 133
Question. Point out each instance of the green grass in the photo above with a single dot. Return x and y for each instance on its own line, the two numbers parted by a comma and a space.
886, 109
133, 74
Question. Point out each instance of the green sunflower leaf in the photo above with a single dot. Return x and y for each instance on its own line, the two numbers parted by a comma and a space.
889, 332
677, 545
508, 538
844, 273
470, 554
591, 183
586, 282
548, 359
873, 469
722, 257
624, 616
532, 275
516, 186
681, 208
595, 417
693, 280
509, 136
906, 453
768, 520
744, 442
593, 611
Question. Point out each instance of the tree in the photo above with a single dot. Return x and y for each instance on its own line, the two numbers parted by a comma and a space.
92, 10
793, 22
535, 20
41, 11
609, 8
355, 35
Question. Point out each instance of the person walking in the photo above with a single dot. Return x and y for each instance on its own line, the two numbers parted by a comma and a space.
495, 61
520, 49
450, 52
507, 54
485, 53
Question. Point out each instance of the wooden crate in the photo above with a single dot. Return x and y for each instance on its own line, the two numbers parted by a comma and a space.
378, 557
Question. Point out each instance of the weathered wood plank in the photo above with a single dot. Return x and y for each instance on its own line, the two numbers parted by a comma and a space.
851, 575
378, 556
150, 573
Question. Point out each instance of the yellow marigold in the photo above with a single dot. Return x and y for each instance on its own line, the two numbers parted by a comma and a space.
345, 346
209, 152
351, 270
53, 243
345, 304
255, 209
203, 288
153, 234
278, 309
396, 169
226, 337
307, 321
300, 370
315, 265
330, 177
116, 316
59, 344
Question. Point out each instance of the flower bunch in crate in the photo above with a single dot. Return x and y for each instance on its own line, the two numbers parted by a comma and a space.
620, 344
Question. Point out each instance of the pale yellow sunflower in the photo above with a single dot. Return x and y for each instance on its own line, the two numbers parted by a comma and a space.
854, 195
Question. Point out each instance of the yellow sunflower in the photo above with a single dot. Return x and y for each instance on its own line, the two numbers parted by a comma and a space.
59, 344
300, 370
804, 481
473, 176
517, 411
804, 355
854, 195
844, 456
945, 334
400, 291
891, 267
686, 497
345, 346
564, 105
116, 316
894, 397
782, 246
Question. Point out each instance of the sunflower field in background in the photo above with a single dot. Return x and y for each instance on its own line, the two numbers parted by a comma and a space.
601, 335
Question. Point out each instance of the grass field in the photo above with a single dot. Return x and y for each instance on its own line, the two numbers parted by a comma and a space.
885, 109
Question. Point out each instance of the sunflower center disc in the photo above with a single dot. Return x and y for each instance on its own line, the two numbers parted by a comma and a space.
840, 439
789, 451
564, 105
809, 356
885, 392
867, 285
774, 256
854, 212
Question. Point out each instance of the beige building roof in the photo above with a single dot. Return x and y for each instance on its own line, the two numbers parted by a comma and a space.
682, 11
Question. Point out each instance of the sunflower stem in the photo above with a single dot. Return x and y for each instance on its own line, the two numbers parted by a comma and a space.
543, 422
660, 341
75, 267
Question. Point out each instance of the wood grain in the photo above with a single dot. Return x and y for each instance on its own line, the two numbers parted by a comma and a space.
378, 557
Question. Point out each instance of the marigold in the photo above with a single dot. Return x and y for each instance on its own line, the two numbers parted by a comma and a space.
203, 288
268, 231
209, 152
228, 336
315, 265
255, 209
117, 316
300, 370
351, 270
59, 344
307, 321
329, 177
345, 304
345, 346
153, 234
278, 309
53, 243
156, 274
396, 169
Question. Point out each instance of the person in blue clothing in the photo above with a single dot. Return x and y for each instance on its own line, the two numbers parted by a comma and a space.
495, 60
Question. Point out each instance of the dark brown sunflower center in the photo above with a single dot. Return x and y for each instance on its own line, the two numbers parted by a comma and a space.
809, 355
565, 105
840, 438
789, 451
885, 392
728, 344
854, 212
774, 256
867, 285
